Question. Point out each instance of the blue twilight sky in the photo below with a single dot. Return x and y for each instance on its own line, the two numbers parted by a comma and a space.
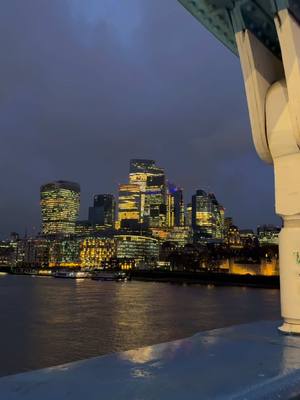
85, 85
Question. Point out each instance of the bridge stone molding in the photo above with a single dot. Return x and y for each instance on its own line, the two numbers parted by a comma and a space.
265, 35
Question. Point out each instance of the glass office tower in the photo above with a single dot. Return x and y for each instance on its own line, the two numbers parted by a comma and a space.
129, 207
103, 211
152, 183
60, 203
207, 216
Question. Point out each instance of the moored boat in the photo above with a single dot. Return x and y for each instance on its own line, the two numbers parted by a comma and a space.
71, 274
109, 276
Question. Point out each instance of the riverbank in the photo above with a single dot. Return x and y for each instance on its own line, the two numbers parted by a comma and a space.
207, 278
181, 277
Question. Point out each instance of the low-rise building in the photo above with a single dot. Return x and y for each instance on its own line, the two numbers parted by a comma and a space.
143, 249
96, 252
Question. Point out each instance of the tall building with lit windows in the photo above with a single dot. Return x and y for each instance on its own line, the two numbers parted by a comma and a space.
151, 180
60, 203
175, 205
155, 210
103, 211
129, 207
207, 216
188, 215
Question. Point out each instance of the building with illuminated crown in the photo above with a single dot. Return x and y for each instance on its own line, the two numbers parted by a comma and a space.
60, 203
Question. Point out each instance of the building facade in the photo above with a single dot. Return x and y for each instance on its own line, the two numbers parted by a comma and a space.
96, 252
141, 249
175, 206
103, 211
268, 234
207, 216
60, 203
64, 253
151, 180
129, 207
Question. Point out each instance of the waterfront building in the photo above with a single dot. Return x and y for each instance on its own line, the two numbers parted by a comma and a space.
37, 252
129, 207
97, 252
141, 249
6, 254
103, 211
11, 256
31, 253
268, 234
20, 252
207, 216
64, 253
60, 207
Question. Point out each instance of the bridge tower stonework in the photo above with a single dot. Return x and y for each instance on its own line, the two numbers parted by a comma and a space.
265, 34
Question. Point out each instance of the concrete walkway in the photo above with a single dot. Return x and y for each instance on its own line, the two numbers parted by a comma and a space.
251, 361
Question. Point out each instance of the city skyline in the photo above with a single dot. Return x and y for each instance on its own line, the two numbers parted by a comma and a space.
132, 208
86, 214
82, 115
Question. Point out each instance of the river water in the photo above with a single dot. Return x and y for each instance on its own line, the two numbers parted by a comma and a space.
48, 321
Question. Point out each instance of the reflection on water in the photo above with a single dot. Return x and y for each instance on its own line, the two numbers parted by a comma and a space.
47, 321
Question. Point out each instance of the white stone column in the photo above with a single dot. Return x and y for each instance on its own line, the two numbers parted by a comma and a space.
273, 95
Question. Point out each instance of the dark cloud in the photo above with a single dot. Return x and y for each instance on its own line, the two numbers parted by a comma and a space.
86, 87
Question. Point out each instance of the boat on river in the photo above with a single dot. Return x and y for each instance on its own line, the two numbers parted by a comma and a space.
109, 276
71, 274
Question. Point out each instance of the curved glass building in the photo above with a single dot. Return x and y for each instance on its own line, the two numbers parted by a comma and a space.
60, 207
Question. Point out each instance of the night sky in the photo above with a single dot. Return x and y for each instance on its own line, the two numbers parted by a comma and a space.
85, 85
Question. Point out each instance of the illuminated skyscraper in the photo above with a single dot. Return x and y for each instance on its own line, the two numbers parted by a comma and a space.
129, 204
103, 211
175, 206
207, 216
60, 207
218, 213
142, 173
155, 210
188, 219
